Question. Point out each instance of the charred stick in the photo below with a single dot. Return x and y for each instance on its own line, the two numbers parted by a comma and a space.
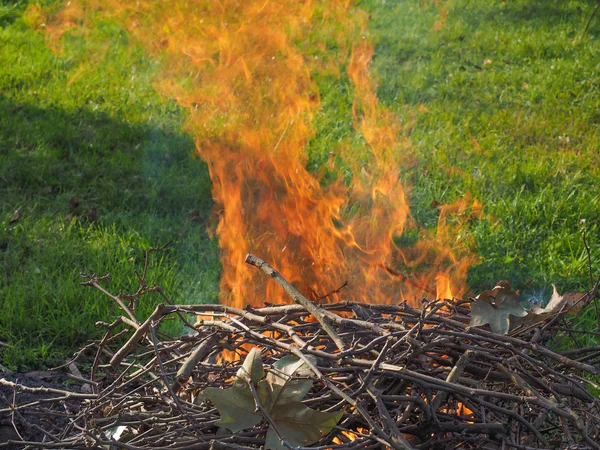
370, 372
386, 418
164, 375
561, 411
511, 342
454, 375
458, 427
441, 384
200, 353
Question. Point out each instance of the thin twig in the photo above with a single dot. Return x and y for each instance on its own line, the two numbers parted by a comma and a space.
319, 314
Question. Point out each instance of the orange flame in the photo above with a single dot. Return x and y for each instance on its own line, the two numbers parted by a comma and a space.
251, 94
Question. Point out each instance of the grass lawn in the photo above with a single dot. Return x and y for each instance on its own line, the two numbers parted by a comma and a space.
499, 99
108, 141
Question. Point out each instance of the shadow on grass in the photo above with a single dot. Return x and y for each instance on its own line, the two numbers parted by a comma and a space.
51, 154
92, 193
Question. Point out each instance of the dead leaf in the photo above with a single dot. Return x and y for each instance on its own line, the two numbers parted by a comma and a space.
236, 405
16, 216
575, 301
290, 381
300, 425
499, 294
280, 393
553, 305
498, 317
441, 22
571, 302
73, 205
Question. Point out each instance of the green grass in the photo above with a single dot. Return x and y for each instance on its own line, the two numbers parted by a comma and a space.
512, 117
512, 95
108, 140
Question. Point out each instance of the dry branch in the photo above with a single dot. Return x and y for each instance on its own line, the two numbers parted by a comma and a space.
405, 378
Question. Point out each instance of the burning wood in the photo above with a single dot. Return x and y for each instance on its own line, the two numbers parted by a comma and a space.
405, 378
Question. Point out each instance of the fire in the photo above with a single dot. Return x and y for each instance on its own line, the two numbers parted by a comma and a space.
463, 410
443, 286
251, 95
351, 435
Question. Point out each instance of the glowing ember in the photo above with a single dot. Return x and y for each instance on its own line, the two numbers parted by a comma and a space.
463, 410
250, 92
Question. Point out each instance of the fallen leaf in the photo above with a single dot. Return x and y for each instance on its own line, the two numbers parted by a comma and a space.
280, 394
16, 216
237, 405
300, 425
498, 317
553, 305
92, 215
571, 302
499, 294
73, 205
441, 22
574, 301
289, 380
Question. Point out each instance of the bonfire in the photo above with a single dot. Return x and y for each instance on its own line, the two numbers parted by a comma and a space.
343, 375
373, 344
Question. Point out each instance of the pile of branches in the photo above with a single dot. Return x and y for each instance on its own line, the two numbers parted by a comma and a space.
394, 376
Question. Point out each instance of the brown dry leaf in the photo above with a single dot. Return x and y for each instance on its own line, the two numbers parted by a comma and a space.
498, 317
500, 294
92, 215
73, 205
441, 22
489, 296
574, 301
554, 305
571, 302
16, 216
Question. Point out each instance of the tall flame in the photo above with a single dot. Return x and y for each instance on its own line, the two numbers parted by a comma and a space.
239, 68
